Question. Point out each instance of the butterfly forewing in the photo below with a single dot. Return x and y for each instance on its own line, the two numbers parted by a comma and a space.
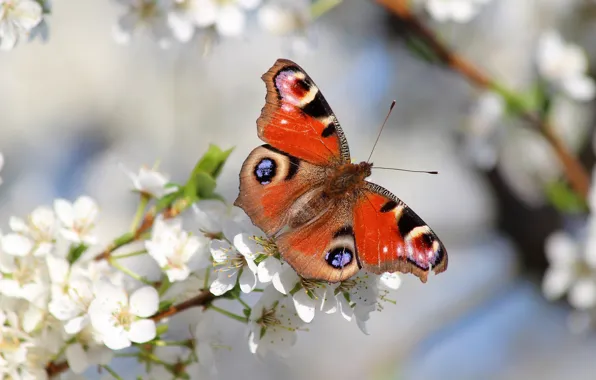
297, 119
390, 237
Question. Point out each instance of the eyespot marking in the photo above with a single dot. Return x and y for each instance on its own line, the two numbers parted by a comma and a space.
265, 170
339, 257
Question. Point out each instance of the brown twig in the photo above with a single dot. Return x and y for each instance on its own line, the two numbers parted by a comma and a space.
576, 174
204, 298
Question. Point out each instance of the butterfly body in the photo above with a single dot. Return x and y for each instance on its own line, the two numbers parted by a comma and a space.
302, 189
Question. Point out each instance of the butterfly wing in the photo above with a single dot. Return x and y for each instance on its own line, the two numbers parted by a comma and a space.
304, 141
272, 183
390, 237
323, 249
297, 120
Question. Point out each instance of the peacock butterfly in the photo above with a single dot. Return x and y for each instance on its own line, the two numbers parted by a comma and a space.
302, 189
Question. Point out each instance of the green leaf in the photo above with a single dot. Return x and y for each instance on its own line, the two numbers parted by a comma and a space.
164, 305
201, 184
161, 329
75, 252
213, 161
564, 199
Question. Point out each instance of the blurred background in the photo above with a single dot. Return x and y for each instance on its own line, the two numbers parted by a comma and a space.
77, 107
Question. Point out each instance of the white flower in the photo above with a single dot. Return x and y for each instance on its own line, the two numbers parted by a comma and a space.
72, 293
150, 15
358, 297
482, 129
565, 66
36, 236
1, 165
213, 215
309, 296
173, 249
284, 19
14, 343
80, 357
235, 260
273, 323
77, 219
454, 10
17, 19
227, 17
568, 272
389, 281
204, 341
150, 182
120, 319
28, 279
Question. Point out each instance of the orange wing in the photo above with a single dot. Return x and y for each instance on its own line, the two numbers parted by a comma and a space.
390, 237
297, 120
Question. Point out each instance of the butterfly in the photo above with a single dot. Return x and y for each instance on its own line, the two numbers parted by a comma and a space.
302, 189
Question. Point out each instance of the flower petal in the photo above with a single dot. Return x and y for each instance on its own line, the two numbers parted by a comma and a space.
248, 280
144, 302
76, 358
305, 306
17, 245
142, 331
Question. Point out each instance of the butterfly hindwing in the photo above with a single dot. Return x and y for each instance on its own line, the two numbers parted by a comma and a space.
271, 184
296, 118
390, 237
323, 249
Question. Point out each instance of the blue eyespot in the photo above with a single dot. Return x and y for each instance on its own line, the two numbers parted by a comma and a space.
265, 171
339, 257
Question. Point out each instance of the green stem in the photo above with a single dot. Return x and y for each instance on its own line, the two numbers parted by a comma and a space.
111, 371
239, 298
140, 212
165, 285
129, 272
229, 314
131, 254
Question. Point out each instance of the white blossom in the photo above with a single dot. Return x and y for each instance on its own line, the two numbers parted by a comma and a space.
121, 319
358, 296
569, 272
78, 219
273, 323
144, 15
564, 65
454, 10
150, 182
27, 279
81, 356
35, 236
234, 262
212, 215
175, 251
277, 18
17, 19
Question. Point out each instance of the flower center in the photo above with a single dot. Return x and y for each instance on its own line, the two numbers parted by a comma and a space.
24, 274
123, 317
268, 317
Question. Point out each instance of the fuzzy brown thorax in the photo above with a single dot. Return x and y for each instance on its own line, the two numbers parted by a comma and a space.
347, 178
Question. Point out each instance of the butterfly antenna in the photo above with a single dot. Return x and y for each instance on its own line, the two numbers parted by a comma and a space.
381, 130
407, 170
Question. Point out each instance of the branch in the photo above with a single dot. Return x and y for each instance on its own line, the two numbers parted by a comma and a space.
574, 171
204, 298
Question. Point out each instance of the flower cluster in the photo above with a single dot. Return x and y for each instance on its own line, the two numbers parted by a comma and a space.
179, 20
572, 264
67, 301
